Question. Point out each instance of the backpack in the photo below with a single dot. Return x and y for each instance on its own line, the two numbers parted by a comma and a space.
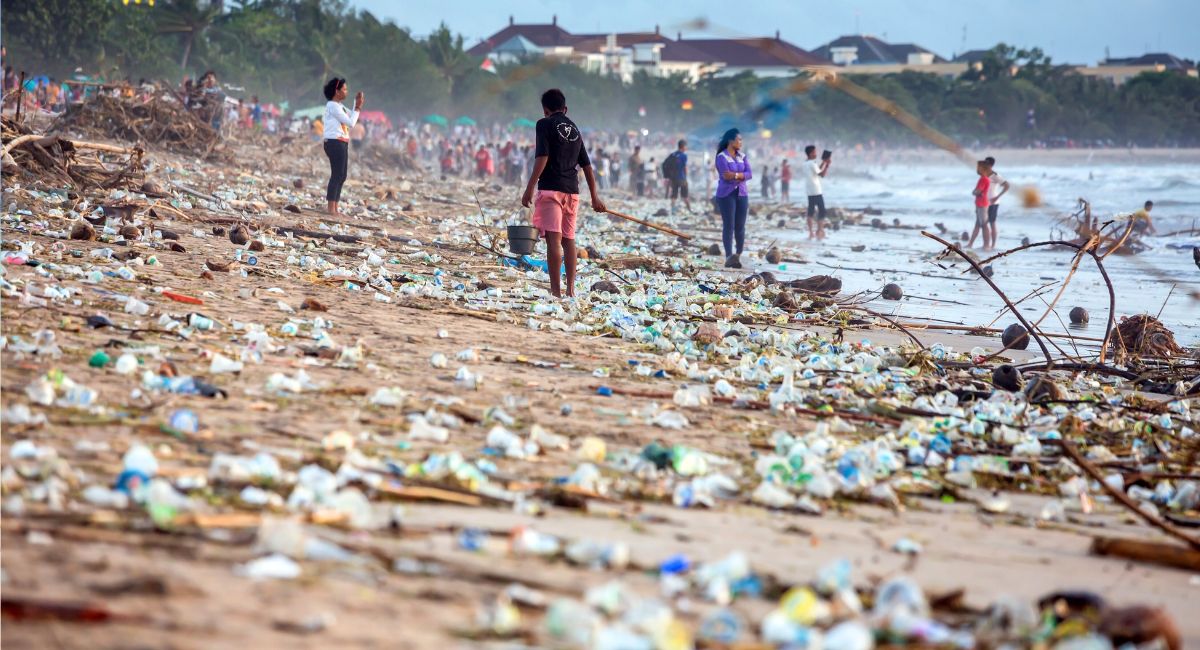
670, 166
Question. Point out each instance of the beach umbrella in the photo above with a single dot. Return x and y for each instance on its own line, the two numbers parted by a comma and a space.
312, 112
465, 121
434, 118
375, 116
524, 122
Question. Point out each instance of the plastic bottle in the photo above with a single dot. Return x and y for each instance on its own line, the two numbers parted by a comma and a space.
185, 421
136, 307
127, 364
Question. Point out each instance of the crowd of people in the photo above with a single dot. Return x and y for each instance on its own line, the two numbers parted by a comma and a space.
510, 154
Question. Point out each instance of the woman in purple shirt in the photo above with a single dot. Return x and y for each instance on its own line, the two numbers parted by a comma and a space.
733, 170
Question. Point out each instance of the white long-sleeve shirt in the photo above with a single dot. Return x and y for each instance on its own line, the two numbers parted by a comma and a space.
338, 121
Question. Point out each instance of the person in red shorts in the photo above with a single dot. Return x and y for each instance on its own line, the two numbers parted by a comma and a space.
558, 153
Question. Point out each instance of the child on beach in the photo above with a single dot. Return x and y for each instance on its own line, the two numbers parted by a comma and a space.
982, 187
558, 152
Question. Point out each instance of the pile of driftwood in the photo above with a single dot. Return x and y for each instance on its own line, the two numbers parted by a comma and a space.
382, 157
60, 162
161, 120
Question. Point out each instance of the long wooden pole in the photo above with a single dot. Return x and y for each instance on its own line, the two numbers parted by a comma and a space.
651, 225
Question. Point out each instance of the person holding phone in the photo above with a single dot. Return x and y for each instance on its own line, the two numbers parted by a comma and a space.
337, 124
733, 170
814, 171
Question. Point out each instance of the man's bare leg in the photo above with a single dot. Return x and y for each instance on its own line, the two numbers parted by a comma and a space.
974, 234
554, 255
332, 207
571, 256
992, 226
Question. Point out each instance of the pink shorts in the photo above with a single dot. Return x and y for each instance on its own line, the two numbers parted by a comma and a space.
555, 212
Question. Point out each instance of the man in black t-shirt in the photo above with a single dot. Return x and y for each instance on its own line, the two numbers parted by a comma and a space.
559, 153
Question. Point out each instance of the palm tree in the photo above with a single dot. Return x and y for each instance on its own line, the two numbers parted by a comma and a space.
447, 54
189, 19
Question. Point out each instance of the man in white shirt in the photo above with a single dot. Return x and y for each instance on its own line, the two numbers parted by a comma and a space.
813, 171
998, 187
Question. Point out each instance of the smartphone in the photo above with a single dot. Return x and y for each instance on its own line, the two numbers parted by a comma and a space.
826, 155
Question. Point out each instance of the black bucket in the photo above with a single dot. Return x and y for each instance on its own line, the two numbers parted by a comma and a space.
522, 239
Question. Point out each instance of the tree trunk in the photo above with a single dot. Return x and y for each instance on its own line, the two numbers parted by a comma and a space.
187, 50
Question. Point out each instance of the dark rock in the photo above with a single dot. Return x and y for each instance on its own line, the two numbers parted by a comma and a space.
150, 187
594, 253
1015, 337
83, 231
774, 256
713, 249
892, 291
239, 235
1041, 388
218, 231
1007, 378
219, 267
291, 208
298, 183
177, 247
768, 278
785, 300
257, 246
1079, 315
131, 232
782, 223
605, 286
817, 284
964, 236
859, 248
661, 212
169, 234
1024, 241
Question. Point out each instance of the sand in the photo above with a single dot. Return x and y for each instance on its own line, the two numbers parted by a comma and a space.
182, 591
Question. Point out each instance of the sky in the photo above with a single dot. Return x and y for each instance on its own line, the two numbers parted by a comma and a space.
1070, 31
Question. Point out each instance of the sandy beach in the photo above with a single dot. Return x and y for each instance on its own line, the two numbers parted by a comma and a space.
407, 579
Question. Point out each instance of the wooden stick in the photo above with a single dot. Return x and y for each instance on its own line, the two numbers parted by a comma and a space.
651, 225
20, 141
1033, 331
1143, 551
1077, 457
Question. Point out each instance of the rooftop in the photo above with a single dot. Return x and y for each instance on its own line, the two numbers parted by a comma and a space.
872, 50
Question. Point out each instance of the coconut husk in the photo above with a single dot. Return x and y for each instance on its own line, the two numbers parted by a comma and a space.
1143, 336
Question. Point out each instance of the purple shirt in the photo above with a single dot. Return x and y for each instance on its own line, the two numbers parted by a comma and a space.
727, 163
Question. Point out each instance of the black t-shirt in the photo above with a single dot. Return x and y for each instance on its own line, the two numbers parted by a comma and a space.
561, 142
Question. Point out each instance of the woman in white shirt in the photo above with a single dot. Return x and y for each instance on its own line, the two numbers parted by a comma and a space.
337, 137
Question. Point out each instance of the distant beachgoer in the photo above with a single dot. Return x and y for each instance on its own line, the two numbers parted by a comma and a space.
998, 187
637, 179
1141, 219
483, 160
337, 125
676, 171
733, 170
982, 188
559, 151
358, 135
814, 170
785, 181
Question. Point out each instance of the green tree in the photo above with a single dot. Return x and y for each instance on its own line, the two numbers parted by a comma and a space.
188, 19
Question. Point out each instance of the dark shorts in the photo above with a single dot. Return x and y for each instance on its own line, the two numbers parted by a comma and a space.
679, 189
783, 186
992, 210
816, 206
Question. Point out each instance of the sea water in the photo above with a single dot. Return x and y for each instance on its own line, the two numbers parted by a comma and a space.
939, 191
